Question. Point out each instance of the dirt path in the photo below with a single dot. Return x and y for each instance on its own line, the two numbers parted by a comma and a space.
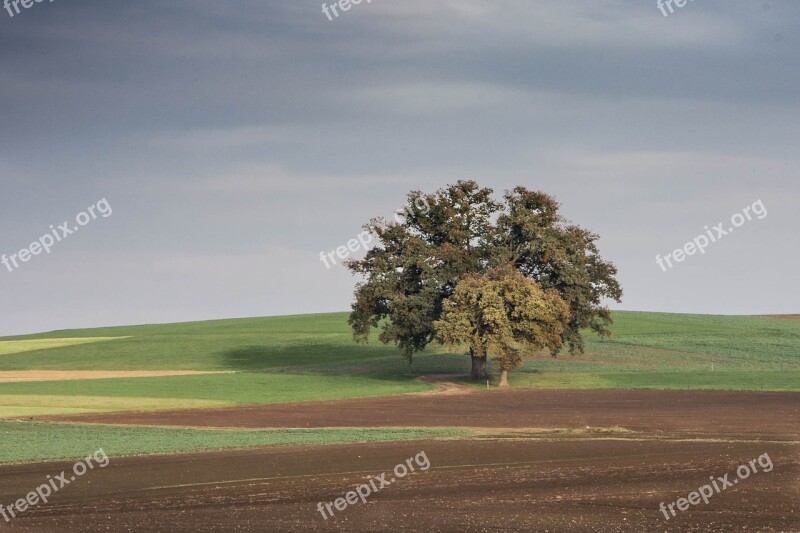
444, 385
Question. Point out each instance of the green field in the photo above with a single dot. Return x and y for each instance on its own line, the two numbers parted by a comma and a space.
209, 390
38, 441
313, 357
33, 345
775, 380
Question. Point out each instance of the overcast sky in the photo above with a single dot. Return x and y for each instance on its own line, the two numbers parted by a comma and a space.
235, 141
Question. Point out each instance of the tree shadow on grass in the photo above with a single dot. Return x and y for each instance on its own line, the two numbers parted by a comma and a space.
255, 358
358, 359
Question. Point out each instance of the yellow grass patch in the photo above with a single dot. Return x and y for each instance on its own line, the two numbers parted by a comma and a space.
13, 376
17, 405
13, 347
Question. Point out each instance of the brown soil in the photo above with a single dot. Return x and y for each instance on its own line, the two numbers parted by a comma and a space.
685, 412
490, 484
511, 479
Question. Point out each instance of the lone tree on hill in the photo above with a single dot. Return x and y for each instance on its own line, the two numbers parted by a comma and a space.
503, 315
461, 230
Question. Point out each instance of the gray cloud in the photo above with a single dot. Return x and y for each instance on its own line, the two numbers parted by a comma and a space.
236, 142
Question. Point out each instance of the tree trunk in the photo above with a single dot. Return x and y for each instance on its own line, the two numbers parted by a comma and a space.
478, 368
504, 378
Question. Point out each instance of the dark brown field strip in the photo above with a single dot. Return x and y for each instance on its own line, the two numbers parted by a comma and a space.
706, 412
472, 485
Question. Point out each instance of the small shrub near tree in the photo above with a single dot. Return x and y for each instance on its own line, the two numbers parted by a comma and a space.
502, 315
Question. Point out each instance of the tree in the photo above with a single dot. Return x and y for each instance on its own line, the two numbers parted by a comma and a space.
561, 256
461, 230
504, 315
418, 263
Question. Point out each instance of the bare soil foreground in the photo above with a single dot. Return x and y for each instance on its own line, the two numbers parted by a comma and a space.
493, 483
674, 412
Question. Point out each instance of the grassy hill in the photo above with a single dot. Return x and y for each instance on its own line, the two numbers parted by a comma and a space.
313, 357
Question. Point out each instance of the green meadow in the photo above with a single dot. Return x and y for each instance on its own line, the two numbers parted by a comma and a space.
207, 390
313, 357
41, 441
32, 345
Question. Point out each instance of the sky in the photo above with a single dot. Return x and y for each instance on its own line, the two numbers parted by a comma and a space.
235, 141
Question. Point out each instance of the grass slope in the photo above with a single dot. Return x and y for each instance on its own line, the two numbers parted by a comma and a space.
238, 344
324, 342
214, 389
772, 380
33, 345
313, 357
32, 404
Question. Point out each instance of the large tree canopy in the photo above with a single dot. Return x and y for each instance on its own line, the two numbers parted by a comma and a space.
462, 230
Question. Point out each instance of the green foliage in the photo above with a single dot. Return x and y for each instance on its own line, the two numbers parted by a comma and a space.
504, 315
562, 256
445, 236
463, 231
